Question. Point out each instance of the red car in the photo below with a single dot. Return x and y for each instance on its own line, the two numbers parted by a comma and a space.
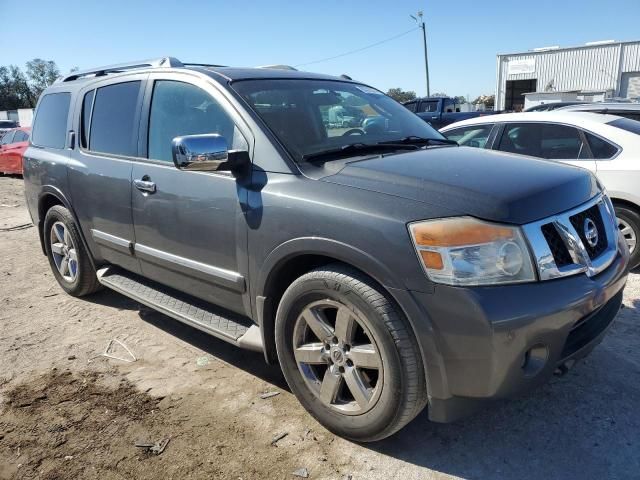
12, 146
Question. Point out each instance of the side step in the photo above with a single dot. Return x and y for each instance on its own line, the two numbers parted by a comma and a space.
213, 320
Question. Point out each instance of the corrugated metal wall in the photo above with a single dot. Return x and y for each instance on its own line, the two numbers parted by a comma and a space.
598, 67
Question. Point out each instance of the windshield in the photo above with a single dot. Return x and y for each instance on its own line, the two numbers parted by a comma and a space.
313, 116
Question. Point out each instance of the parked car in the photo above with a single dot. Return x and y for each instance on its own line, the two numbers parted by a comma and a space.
547, 107
12, 147
6, 125
381, 267
440, 111
627, 110
605, 144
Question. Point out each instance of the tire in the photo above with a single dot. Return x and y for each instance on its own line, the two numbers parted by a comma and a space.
629, 224
62, 242
378, 356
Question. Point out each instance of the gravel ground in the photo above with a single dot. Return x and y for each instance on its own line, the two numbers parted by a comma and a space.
66, 414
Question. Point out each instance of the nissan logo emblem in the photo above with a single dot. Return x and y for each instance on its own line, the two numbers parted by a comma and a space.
591, 232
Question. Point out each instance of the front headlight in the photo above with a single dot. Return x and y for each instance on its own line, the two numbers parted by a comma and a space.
466, 251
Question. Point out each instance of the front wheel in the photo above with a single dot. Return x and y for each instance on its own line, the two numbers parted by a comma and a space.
629, 226
349, 355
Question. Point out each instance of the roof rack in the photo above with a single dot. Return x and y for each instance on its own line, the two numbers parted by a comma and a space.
191, 64
166, 62
279, 67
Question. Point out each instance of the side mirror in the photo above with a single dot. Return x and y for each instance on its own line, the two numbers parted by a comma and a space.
207, 153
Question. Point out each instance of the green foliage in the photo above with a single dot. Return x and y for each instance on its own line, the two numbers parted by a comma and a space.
400, 95
20, 90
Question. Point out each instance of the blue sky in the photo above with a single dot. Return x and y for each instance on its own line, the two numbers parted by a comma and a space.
464, 36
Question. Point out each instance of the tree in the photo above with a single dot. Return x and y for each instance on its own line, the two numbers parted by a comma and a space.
400, 95
487, 100
14, 89
20, 90
41, 73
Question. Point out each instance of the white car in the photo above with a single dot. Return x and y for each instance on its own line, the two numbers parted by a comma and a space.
607, 145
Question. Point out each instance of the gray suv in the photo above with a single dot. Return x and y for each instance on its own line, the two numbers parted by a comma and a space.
382, 266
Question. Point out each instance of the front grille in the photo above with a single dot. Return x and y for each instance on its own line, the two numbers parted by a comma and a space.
578, 222
556, 245
560, 245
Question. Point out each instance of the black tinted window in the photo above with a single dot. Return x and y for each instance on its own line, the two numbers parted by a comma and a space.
431, 106
543, 140
178, 109
411, 106
472, 136
50, 125
632, 126
87, 103
113, 127
600, 148
7, 137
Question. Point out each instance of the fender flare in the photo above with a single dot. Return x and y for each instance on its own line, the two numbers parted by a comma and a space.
50, 190
326, 247
419, 322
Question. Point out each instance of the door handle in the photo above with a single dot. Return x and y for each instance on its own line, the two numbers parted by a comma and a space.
144, 185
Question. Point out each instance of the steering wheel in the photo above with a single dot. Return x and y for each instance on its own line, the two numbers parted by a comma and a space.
354, 131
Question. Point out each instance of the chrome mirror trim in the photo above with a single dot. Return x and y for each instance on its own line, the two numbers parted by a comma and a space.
205, 152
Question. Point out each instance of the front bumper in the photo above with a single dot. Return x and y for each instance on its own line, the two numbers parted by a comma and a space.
486, 343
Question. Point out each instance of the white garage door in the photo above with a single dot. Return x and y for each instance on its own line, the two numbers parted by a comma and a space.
630, 87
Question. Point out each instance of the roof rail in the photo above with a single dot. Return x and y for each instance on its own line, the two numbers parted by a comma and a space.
279, 67
100, 71
191, 64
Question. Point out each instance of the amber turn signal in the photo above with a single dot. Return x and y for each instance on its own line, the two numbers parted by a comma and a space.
432, 260
458, 232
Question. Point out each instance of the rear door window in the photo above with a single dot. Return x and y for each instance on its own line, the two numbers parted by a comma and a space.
87, 104
472, 136
113, 121
50, 123
543, 140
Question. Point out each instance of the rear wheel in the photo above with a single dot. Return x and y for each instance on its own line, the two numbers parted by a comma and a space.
629, 226
66, 253
348, 354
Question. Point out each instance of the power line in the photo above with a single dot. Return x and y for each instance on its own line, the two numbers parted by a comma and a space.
359, 49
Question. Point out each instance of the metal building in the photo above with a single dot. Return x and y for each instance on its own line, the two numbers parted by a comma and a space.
591, 71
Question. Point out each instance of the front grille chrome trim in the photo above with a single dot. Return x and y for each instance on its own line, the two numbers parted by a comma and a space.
581, 262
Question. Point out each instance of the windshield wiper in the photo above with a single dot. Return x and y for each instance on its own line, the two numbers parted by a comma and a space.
414, 140
356, 148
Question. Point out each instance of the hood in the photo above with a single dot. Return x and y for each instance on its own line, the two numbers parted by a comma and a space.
485, 184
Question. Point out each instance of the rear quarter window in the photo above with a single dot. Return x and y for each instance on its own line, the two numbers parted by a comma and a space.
50, 123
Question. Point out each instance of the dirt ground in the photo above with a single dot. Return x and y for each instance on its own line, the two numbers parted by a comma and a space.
67, 413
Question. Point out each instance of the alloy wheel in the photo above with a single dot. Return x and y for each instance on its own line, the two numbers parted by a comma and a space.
63, 251
628, 233
338, 357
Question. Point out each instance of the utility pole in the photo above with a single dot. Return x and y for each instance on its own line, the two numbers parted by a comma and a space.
420, 21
